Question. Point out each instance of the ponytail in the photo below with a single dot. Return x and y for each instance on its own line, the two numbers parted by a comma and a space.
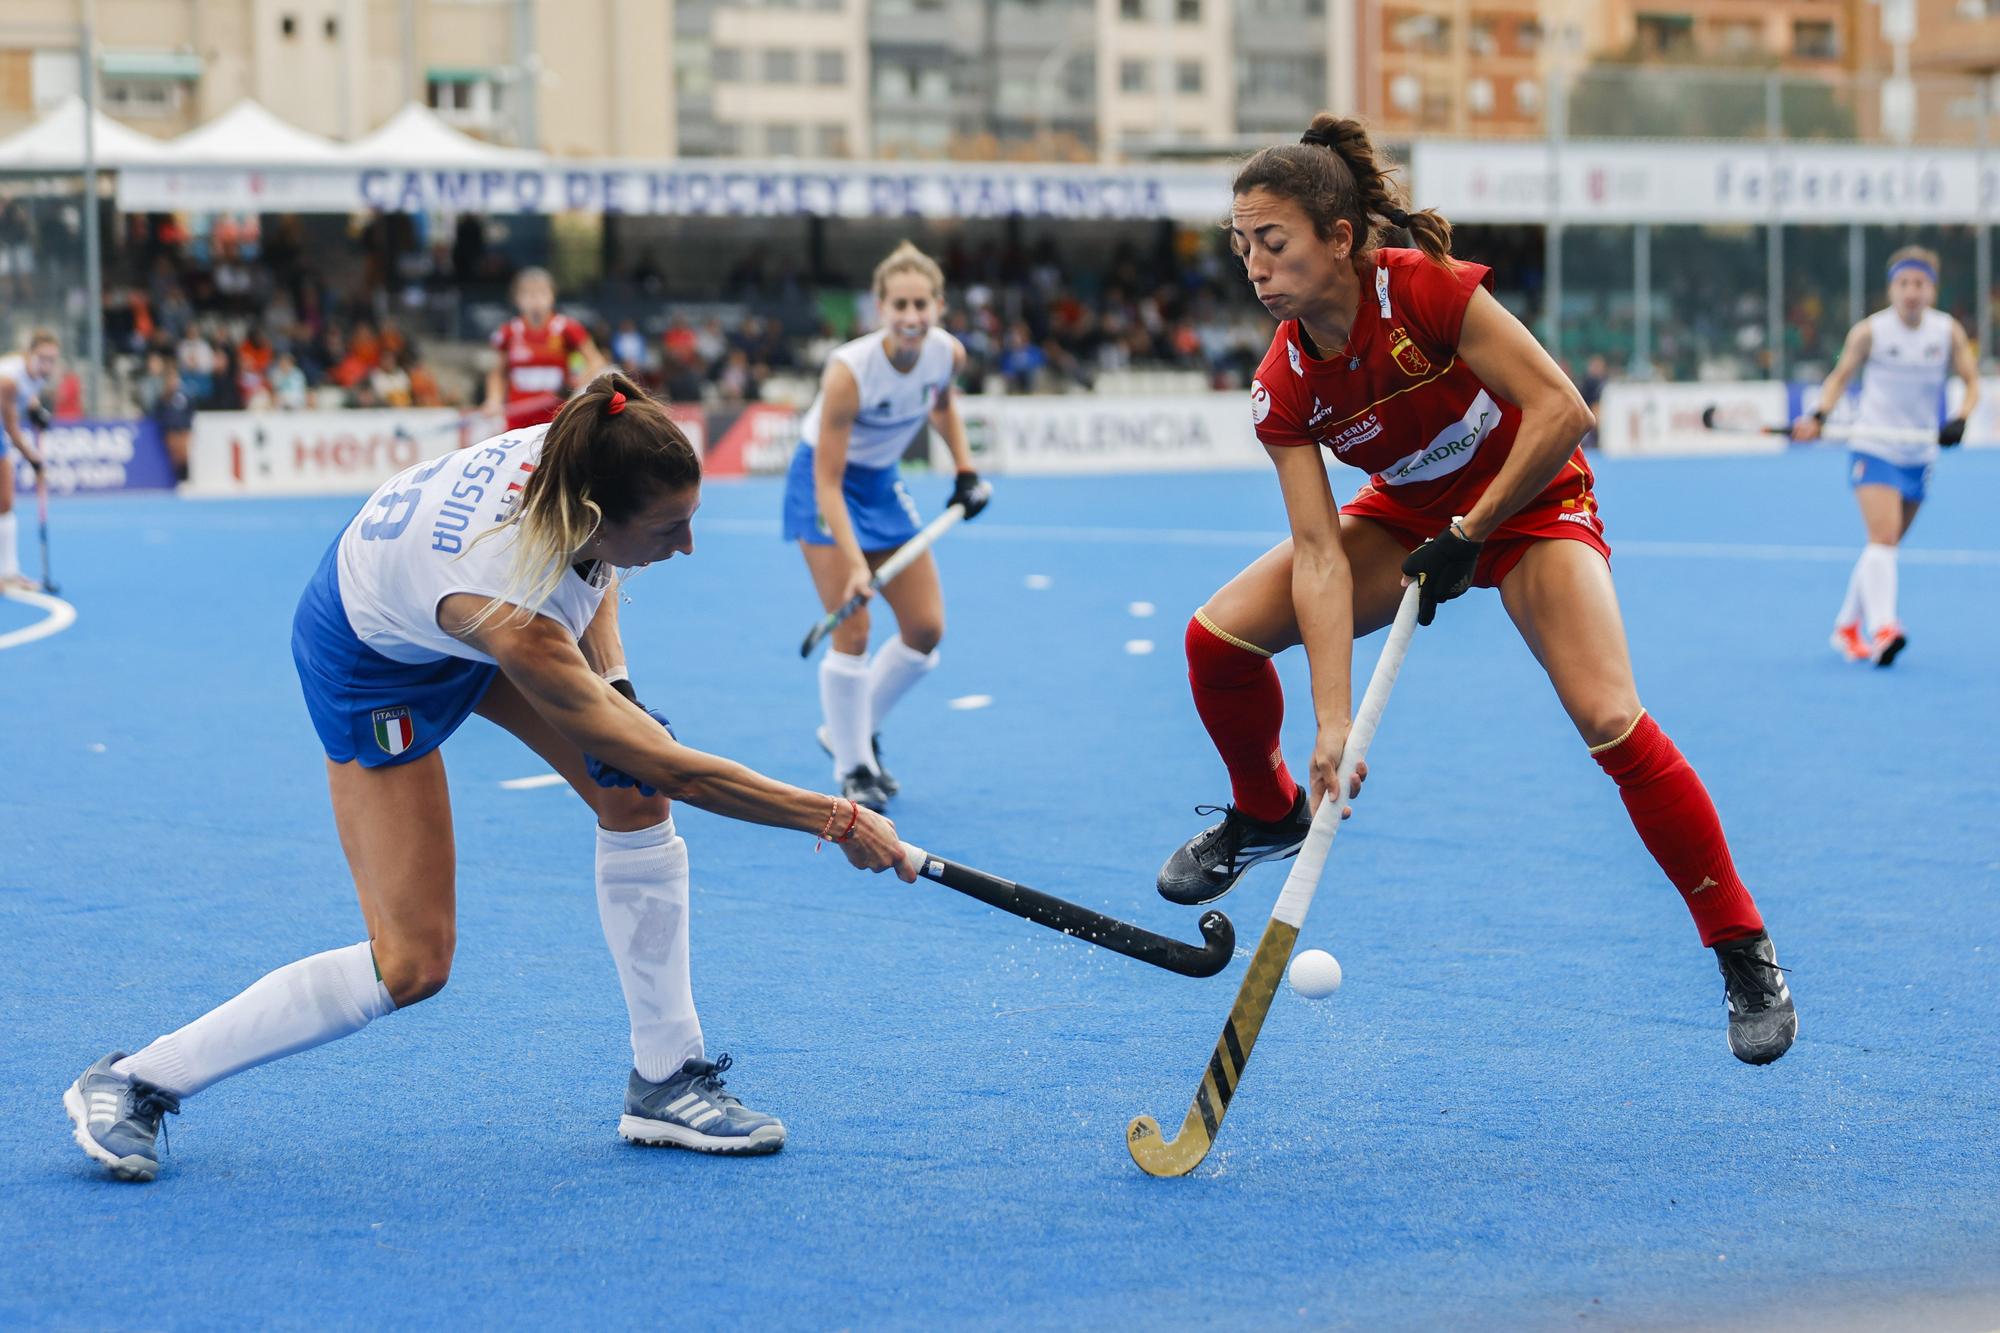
610, 451
1333, 173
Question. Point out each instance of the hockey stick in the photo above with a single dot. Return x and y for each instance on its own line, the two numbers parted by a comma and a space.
42, 518
1159, 1156
890, 568
1849, 431
477, 422
1106, 932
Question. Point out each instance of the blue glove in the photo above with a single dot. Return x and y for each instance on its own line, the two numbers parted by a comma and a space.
604, 775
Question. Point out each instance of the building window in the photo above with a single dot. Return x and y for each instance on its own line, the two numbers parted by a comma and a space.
468, 99
1739, 37
1528, 36
1132, 9
827, 4
1479, 97
1187, 76
1666, 34
1479, 37
728, 64
1187, 11
1527, 97
1813, 39
1132, 76
728, 139
830, 68
781, 66
289, 25
1421, 32
781, 140
140, 99
831, 140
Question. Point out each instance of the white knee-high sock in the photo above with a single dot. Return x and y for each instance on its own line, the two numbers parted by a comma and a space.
1850, 606
1878, 585
843, 699
895, 667
301, 1005
642, 901
10, 559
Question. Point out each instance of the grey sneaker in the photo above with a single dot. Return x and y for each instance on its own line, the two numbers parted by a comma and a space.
863, 787
1762, 1021
117, 1118
693, 1110
1209, 864
888, 784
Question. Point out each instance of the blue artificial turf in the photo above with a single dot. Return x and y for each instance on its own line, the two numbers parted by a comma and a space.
1518, 1111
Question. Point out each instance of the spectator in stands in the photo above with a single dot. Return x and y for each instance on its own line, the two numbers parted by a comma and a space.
288, 383
424, 390
389, 381
1023, 360
173, 413
628, 348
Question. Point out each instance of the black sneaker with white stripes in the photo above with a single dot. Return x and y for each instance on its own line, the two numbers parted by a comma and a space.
691, 1109
883, 778
1762, 1021
1209, 864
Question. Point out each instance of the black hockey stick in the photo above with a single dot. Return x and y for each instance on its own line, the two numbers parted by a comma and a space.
1850, 431
1204, 960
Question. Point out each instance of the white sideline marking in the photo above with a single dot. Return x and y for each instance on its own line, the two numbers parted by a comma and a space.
529, 784
1138, 647
1262, 539
61, 615
1037, 581
966, 702
1141, 609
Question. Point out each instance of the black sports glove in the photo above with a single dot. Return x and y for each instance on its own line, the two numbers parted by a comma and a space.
1443, 568
971, 492
38, 413
1952, 433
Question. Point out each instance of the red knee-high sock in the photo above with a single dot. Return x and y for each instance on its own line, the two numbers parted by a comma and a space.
1677, 822
1236, 691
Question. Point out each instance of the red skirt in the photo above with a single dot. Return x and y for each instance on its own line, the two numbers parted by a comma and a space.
1566, 510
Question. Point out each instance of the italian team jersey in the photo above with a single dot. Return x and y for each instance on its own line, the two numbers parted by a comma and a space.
537, 359
1397, 402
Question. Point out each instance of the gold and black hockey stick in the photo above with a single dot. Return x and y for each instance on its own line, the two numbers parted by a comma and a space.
1161, 1156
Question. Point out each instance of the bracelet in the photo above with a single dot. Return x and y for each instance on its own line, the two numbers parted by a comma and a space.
1458, 531
853, 817
826, 829
1819, 415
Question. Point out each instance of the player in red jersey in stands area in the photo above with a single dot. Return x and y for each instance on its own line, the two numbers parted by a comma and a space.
1402, 363
538, 351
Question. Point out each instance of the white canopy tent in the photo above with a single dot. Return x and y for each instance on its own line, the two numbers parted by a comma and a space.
416, 137
55, 143
247, 135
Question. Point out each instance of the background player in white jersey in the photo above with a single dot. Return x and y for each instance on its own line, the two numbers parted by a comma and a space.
1905, 353
846, 508
477, 583
22, 379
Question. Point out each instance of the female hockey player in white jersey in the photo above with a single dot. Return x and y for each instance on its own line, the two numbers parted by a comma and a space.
1904, 353
846, 508
477, 583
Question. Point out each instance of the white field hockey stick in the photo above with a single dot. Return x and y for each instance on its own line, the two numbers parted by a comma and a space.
904, 557
1160, 1156
1846, 431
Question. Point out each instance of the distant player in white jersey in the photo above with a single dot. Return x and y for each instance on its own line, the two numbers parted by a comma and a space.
1905, 354
478, 582
846, 508
22, 379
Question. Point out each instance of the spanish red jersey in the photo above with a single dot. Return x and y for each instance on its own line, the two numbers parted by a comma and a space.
537, 359
1397, 401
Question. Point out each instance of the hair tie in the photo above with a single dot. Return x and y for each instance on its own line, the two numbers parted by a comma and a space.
1322, 138
617, 404
1398, 217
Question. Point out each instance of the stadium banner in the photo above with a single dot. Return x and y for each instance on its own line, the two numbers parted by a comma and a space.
1087, 433
313, 453
95, 457
1625, 181
1664, 420
756, 440
714, 188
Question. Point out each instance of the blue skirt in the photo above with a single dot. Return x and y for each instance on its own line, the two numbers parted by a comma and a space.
1911, 481
368, 707
883, 514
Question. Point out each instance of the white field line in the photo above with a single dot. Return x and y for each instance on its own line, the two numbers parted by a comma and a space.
529, 784
1261, 540
61, 615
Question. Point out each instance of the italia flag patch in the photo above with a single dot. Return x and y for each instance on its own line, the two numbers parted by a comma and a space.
393, 731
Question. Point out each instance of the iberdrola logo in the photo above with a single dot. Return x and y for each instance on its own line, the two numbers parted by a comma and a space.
393, 731
1408, 355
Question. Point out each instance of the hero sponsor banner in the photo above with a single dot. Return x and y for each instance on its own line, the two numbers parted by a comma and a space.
717, 188
90, 457
1607, 181
313, 453
1074, 434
